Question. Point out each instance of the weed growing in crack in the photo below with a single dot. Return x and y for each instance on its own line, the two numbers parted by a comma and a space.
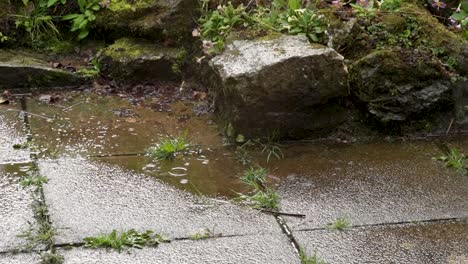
34, 180
456, 160
128, 239
269, 147
339, 224
39, 234
261, 197
168, 148
204, 234
51, 257
255, 178
306, 259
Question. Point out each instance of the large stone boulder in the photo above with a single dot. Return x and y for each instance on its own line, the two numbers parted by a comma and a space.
398, 84
171, 20
140, 60
284, 85
19, 69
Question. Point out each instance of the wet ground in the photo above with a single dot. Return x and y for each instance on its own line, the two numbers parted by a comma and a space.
402, 205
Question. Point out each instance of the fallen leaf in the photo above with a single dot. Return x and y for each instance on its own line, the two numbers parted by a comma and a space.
199, 95
130, 120
4, 101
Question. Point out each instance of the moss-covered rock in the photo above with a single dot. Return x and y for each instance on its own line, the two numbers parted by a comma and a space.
398, 84
28, 70
140, 60
170, 20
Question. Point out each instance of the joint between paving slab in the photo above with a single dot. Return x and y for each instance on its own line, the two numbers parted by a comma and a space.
415, 222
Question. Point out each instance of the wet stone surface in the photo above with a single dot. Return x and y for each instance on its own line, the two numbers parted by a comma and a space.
369, 184
15, 207
88, 124
244, 249
11, 133
88, 198
443, 242
29, 258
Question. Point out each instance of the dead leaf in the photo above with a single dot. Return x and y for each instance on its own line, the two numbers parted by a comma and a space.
199, 95
130, 120
4, 101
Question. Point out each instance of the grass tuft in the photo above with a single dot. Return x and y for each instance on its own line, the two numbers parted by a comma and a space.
314, 259
339, 224
255, 178
168, 148
37, 181
129, 239
456, 160
204, 234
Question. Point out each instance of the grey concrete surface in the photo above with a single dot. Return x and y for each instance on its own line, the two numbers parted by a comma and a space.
11, 132
434, 243
88, 198
271, 249
22, 258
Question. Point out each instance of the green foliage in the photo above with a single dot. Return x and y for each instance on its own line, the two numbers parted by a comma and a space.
81, 22
40, 234
51, 258
129, 239
363, 12
267, 199
167, 148
339, 224
390, 5
37, 181
314, 259
456, 160
3, 38
461, 14
38, 24
216, 25
280, 16
255, 178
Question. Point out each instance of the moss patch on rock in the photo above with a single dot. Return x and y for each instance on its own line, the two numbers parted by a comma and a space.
140, 60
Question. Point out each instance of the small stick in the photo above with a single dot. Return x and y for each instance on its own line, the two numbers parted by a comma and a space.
450, 126
281, 213
31, 114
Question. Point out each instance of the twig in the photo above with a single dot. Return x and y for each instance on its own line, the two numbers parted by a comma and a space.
71, 106
281, 213
450, 126
31, 114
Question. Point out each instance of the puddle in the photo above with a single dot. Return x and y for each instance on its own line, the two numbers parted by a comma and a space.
96, 126
11, 173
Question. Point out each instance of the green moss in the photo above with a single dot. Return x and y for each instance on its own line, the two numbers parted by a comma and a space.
126, 5
129, 49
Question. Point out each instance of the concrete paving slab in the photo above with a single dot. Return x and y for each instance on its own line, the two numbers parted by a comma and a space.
88, 198
441, 243
15, 207
11, 132
369, 184
271, 249
22, 258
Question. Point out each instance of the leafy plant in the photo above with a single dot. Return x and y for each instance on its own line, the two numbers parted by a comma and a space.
267, 199
302, 22
37, 180
40, 234
314, 259
390, 5
339, 224
168, 148
38, 24
456, 160
81, 22
3, 37
461, 13
129, 239
216, 25
255, 178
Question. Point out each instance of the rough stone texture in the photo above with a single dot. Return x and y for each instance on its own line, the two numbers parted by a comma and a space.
460, 97
23, 69
278, 84
369, 184
139, 60
30, 258
442, 243
396, 85
15, 208
86, 199
171, 20
244, 249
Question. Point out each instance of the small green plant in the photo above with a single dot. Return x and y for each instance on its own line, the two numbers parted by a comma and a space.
129, 239
314, 259
390, 5
339, 224
81, 22
204, 234
41, 234
167, 148
92, 71
51, 257
216, 25
303, 22
3, 38
255, 178
267, 199
36, 180
456, 160
37, 24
